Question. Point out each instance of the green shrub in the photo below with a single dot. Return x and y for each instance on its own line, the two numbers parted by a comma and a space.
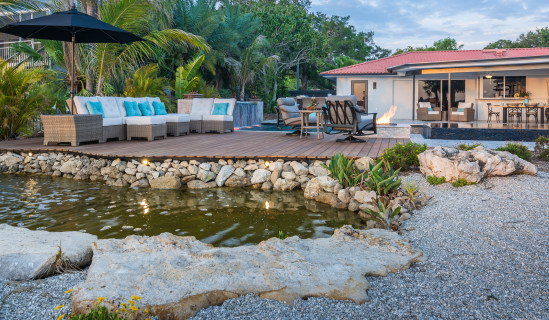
382, 178
542, 146
434, 180
98, 313
467, 147
462, 182
403, 155
343, 170
518, 149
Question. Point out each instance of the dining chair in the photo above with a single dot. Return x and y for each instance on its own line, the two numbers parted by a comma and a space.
515, 112
491, 113
532, 110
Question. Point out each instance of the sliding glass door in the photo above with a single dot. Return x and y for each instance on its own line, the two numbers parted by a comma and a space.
436, 92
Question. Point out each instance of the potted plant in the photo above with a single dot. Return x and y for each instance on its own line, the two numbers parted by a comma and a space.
192, 95
255, 98
313, 105
525, 94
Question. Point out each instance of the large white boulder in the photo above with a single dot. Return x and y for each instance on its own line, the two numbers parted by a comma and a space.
178, 276
260, 176
473, 165
224, 174
27, 254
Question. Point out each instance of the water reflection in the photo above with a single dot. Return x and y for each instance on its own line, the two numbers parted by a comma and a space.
223, 217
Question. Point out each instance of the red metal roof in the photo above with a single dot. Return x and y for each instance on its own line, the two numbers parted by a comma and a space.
380, 66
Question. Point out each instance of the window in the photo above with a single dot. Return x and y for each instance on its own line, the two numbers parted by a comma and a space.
436, 92
429, 90
502, 87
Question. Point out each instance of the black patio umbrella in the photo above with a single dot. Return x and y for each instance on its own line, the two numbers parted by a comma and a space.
70, 26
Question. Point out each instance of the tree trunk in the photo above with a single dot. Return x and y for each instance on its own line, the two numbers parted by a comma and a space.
275, 85
242, 91
304, 80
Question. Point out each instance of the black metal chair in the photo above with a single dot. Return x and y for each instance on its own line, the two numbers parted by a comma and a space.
491, 113
344, 115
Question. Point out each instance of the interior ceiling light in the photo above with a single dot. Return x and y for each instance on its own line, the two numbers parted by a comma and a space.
488, 76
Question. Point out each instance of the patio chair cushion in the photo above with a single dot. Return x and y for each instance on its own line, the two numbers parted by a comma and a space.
132, 110
424, 105
220, 108
195, 117
202, 106
144, 120
231, 102
159, 108
95, 107
217, 117
80, 103
145, 108
177, 117
289, 111
107, 122
110, 107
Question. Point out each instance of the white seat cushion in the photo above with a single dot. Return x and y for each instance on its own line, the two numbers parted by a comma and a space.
459, 113
107, 122
366, 117
231, 102
424, 104
202, 106
144, 120
222, 117
80, 103
110, 108
195, 117
433, 112
177, 117
463, 105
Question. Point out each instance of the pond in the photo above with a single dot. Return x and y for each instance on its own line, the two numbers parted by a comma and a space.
222, 217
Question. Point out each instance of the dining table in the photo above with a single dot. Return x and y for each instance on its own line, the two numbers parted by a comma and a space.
540, 109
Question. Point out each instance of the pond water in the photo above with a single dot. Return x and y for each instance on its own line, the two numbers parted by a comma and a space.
222, 217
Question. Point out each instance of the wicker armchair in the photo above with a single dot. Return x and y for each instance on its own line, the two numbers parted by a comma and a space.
463, 113
424, 114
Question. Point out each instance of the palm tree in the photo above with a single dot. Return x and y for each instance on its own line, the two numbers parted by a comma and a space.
251, 62
146, 83
9, 7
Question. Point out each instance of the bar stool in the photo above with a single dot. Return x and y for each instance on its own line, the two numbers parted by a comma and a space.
492, 112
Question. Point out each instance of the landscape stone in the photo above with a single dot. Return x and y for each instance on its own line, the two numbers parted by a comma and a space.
224, 174
260, 176
318, 171
178, 276
238, 181
205, 175
165, 182
141, 183
28, 254
363, 196
362, 164
288, 175
285, 185
199, 184
299, 168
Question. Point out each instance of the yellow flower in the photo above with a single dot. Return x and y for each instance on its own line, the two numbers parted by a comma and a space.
136, 298
147, 318
146, 311
68, 291
61, 317
131, 302
59, 307
134, 308
101, 299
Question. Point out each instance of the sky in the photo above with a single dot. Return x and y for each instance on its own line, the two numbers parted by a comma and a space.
473, 23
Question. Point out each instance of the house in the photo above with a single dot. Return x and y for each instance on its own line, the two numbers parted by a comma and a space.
445, 78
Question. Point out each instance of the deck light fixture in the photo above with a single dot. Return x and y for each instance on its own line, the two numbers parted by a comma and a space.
267, 164
30, 154
488, 76
145, 162
267, 205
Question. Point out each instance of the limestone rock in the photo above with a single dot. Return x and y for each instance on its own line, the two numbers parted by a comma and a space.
365, 196
299, 169
473, 165
205, 175
318, 171
224, 174
166, 182
260, 176
331, 199
238, 181
267, 185
28, 254
181, 275
275, 166
68, 167
9, 159
344, 196
275, 175
199, 184
285, 185
141, 183
362, 164
288, 175
205, 166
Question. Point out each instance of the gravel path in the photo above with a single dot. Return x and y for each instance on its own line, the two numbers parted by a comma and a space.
487, 257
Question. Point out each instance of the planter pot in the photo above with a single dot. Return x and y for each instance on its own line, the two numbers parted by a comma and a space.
255, 99
192, 95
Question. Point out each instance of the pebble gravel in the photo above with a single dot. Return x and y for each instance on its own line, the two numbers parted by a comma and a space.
486, 257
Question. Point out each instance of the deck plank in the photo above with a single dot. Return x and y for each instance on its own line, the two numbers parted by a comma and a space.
237, 145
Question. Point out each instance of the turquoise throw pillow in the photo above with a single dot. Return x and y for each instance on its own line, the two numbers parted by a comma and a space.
95, 108
220, 108
429, 109
460, 110
159, 108
132, 109
145, 108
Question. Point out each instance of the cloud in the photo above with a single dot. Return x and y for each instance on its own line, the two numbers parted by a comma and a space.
475, 23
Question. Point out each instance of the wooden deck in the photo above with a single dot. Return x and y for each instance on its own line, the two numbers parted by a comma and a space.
237, 145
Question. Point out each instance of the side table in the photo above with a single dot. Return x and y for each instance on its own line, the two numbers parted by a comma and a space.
75, 128
304, 114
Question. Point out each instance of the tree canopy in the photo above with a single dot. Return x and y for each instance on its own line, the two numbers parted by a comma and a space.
442, 44
532, 39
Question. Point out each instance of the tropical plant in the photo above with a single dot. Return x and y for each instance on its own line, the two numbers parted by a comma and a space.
145, 82
382, 178
343, 170
542, 146
403, 155
518, 149
19, 102
434, 180
385, 213
10, 7
462, 182
185, 77
250, 63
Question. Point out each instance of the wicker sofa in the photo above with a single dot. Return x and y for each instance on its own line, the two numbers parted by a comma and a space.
201, 118
464, 112
117, 125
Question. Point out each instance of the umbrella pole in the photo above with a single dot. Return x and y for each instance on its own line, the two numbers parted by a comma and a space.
72, 77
